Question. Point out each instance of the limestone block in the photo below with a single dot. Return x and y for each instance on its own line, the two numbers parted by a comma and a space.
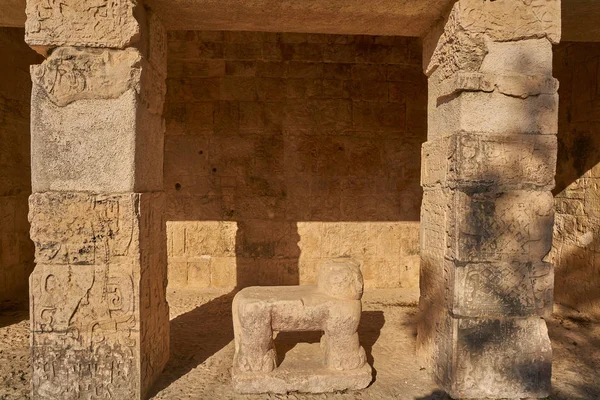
511, 84
70, 228
507, 20
99, 316
333, 306
97, 23
497, 113
462, 44
479, 227
495, 161
492, 358
509, 226
502, 289
531, 57
94, 113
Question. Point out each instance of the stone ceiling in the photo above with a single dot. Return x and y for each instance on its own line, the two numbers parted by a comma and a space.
377, 17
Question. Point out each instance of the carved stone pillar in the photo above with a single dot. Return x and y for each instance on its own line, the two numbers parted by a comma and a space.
487, 215
99, 316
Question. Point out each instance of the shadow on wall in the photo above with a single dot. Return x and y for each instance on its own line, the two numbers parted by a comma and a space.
283, 150
16, 249
577, 234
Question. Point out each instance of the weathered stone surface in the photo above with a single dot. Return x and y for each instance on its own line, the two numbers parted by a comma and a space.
333, 306
94, 113
516, 85
507, 20
489, 289
72, 74
472, 24
304, 373
487, 211
98, 23
510, 226
502, 289
489, 358
480, 227
99, 317
494, 161
496, 113
530, 58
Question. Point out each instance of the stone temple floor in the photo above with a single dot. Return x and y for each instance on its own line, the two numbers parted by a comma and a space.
202, 350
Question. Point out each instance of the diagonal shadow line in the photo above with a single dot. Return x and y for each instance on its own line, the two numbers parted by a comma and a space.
196, 336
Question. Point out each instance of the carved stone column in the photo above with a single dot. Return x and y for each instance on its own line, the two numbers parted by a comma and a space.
99, 317
487, 215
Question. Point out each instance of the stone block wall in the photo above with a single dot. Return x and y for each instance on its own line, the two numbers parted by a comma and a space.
283, 150
16, 249
576, 252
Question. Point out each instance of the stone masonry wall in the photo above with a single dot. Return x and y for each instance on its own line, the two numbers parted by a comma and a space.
283, 150
16, 249
576, 252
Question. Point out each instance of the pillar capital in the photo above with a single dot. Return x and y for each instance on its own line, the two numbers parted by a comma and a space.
472, 24
86, 23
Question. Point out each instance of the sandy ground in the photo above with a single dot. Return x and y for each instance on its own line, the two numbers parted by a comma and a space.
202, 350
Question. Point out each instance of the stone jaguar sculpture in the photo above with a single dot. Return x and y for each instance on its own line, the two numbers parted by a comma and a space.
332, 306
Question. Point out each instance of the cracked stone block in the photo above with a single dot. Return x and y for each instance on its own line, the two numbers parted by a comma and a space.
333, 306
497, 113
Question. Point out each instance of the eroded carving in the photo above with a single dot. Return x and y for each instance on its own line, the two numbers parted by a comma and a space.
333, 306
80, 229
472, 23
503, 289
91, 23
99, 316
84, 331
71, 74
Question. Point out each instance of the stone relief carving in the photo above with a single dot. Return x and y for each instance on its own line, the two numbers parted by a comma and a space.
92, 23
471, 23
89, 310
71, 74
101, 271
80, 229
513, 226
511, 289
